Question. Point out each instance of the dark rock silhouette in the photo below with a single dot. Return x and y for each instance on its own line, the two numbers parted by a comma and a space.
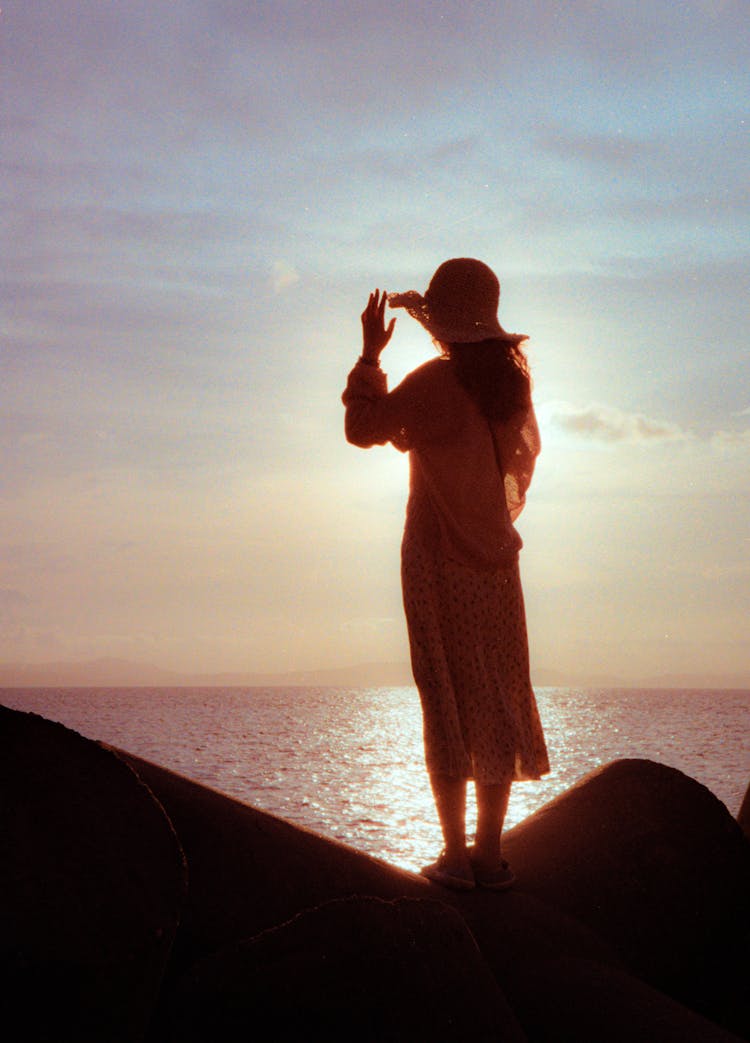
744, 814
656, 866
631, 908
355, 968
92, 879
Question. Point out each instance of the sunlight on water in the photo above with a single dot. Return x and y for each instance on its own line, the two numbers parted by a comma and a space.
349, 763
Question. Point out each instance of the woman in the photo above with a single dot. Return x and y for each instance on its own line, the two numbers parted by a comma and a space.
467, 421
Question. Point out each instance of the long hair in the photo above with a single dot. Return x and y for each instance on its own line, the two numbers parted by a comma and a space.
495, 373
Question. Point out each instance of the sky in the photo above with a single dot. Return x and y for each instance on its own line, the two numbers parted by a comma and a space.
197, 198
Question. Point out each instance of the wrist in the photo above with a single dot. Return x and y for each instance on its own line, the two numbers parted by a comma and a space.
372, 360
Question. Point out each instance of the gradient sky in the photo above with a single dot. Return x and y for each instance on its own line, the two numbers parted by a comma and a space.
197, 199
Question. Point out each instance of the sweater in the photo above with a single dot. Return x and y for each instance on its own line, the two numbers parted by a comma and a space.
468, 476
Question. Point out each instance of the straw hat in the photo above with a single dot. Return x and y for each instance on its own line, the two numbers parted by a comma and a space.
460, 304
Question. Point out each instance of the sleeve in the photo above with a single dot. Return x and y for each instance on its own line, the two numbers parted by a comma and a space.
519, 444
373, 415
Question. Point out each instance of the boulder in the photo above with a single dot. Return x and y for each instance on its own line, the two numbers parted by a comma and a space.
356, 968
576, 1000
92, 878
653, 863
251, 871
631, 886
743, 818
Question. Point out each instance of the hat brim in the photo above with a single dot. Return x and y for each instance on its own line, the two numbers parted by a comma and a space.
447, 329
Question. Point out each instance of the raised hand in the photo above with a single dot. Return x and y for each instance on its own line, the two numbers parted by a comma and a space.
375, 334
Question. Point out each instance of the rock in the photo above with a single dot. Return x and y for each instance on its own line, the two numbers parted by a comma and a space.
251, 871
743, 817
631, 885
574, 1000
656, 866
565, 985
356, 968
92, 878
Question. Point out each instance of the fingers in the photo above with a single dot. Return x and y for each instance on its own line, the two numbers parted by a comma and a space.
381, 307
374, 315
371, 308
376, 304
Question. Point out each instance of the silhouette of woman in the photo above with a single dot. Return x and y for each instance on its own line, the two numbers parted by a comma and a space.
467, 421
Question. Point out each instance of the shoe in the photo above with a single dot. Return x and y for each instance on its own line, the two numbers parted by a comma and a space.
499, 879
440, 875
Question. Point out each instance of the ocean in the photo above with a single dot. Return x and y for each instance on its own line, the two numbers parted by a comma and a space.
348, 763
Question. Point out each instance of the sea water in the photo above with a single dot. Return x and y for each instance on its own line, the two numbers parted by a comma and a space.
348, 763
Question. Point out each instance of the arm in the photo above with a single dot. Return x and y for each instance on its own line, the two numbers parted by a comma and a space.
375, 336
365, 398
369, 418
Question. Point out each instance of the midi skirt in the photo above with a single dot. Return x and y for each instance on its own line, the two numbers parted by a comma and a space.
470, 660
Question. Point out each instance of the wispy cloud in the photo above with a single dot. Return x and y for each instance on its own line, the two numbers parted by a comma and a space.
283, 275
610, 424
728, 441
615, 149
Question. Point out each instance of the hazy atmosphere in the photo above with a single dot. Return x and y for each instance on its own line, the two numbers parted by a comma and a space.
198, 198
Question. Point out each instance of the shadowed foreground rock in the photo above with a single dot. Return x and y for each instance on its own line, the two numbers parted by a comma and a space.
278, 918
656, 866
744, 814
354, 969
92, 878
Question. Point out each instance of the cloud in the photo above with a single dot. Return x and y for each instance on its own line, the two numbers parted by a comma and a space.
727, 441
615, 149
609, 424
283, 275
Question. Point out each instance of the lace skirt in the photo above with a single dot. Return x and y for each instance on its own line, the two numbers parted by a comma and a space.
470, 659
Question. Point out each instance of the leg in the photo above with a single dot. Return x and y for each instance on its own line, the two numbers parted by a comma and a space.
450, 800
492, 805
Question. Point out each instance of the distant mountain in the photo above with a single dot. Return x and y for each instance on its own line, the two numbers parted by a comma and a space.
96, 673
361, 675
556, 679
121, 673
707, 680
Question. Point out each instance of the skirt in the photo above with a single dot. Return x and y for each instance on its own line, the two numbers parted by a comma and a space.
470, 660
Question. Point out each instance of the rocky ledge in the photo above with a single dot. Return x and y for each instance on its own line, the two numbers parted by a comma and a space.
139, 905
